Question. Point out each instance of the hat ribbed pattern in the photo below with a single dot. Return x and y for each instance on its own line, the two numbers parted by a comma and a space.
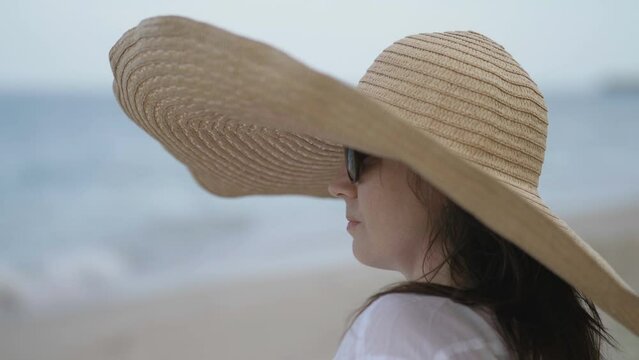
162, 84
469, 94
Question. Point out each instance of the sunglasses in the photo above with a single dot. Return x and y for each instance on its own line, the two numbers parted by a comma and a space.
354, 161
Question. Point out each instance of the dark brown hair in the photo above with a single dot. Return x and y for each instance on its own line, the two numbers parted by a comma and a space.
539, 315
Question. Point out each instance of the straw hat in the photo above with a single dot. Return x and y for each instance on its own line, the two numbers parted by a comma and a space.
246, 118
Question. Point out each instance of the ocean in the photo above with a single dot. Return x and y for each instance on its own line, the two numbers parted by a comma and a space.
92, 208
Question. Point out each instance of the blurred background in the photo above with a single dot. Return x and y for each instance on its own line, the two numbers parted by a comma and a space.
109, 249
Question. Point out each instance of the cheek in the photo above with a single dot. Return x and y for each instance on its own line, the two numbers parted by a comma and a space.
383, 226
407, 223
368, 204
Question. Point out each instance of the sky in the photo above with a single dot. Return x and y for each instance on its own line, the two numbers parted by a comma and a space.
63, 45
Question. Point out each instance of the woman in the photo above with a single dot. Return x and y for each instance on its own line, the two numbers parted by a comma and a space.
513, 307
441, 126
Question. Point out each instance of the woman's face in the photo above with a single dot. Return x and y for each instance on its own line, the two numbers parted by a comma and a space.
393, 232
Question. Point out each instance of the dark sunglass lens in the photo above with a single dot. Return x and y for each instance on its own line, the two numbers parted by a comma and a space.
354, 160
351, 166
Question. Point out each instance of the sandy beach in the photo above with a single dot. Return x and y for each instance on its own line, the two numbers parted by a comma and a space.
276, 316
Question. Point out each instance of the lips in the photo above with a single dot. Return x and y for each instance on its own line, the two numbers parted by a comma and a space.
351, 224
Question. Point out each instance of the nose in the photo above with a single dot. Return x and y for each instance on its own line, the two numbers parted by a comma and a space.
341, 185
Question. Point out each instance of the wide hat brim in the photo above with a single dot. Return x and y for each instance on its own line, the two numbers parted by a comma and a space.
246, 118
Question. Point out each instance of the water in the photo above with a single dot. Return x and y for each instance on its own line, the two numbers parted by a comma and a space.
591, 155
91, 207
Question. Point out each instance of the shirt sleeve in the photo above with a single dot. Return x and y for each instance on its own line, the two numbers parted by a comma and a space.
405, 326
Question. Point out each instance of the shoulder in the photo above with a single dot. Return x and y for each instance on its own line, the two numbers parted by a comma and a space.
426, 314
415, 325
397, 309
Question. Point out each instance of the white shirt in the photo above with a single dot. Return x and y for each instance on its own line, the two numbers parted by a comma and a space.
412, 326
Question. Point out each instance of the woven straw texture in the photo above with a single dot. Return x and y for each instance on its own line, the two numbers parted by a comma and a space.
246, 118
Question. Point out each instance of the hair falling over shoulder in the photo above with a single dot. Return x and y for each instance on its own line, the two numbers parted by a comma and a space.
539, 315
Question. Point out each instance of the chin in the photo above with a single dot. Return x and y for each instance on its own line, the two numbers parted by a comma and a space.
367, 259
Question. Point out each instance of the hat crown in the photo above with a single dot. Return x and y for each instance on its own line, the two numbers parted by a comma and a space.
470, 94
